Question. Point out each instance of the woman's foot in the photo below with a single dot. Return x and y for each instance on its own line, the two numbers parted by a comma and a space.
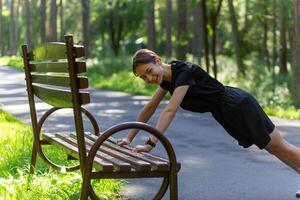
298, 194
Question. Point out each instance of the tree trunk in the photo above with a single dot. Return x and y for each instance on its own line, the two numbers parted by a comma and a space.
265, 38
12, 27
1, 31
235, 38
86, 24
181, 29
62, 22
17, 30
43, 20
205, 32
169, 28
115, 31
283, 48
296, 53
274, 29
246, 17
53, 21
151, 24
27, 23
198, 43
214, 16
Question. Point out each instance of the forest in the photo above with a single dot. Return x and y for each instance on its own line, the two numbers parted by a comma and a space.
252, 44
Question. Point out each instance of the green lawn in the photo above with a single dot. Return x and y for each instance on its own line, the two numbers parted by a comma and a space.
17, 183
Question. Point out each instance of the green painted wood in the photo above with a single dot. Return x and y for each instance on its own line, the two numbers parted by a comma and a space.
58, 97
58, 80
50, 51
59, 66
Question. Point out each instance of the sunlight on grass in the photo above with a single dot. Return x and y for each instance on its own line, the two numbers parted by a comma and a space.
17, 183
13, 61
272, 92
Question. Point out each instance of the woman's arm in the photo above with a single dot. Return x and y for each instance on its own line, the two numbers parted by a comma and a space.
146, 113
167, 115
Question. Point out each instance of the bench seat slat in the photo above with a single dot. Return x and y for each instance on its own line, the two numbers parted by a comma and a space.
147, 155
137, 164
156, 164
58, 97
118, 164
101, 164
142, 155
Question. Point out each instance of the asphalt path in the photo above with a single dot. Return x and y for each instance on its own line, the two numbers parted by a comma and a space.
214, 167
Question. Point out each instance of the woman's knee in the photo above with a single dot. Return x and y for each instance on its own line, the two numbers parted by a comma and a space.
277, 144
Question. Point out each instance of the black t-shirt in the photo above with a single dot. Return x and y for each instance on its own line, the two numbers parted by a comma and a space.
204, 91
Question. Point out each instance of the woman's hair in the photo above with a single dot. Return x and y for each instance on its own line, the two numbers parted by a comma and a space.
143, 56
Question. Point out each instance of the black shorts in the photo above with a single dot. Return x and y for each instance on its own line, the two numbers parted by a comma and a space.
243, 118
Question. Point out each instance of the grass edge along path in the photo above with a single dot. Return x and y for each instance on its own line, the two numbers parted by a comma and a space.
17, 183
128, 83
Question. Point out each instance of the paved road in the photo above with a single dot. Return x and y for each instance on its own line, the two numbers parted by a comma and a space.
213, 165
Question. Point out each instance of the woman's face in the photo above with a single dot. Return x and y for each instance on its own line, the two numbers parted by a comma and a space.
150, 73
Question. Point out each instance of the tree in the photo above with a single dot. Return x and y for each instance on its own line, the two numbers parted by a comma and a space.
62, 23
169, 28
13, 27
43, 20
151, 24
53, 20
214, 15
205, 32
1, 30
198, 42
236, 38
274, 34
181, 29
283, 47
85, 4
265, 37
296, 53
27, 22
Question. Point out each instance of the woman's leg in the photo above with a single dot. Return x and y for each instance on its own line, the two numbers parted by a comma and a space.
287, 153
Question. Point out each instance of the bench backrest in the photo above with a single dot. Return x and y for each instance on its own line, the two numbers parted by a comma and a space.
52, 74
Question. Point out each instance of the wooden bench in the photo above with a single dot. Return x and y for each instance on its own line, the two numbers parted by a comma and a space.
52, 73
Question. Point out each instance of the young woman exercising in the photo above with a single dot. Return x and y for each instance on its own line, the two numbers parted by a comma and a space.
195, 90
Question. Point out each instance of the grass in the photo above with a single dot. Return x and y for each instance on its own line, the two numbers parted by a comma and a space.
272, 92
17, 183
12, 61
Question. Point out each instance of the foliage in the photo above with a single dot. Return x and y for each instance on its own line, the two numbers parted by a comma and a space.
17, 183
13, 61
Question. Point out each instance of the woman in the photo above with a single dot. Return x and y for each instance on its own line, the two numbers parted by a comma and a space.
195, 90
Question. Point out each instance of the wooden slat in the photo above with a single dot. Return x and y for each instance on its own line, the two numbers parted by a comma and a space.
56, 80
79, 51
137, 164
50, 51
156, 164
58, 97
57, 66
119, 165
150, 156
101, 164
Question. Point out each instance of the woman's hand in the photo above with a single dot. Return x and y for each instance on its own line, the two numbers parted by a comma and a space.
124, 141
142, 148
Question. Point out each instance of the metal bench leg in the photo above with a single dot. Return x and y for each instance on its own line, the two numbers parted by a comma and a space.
173, 187
163, 189
33, 159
